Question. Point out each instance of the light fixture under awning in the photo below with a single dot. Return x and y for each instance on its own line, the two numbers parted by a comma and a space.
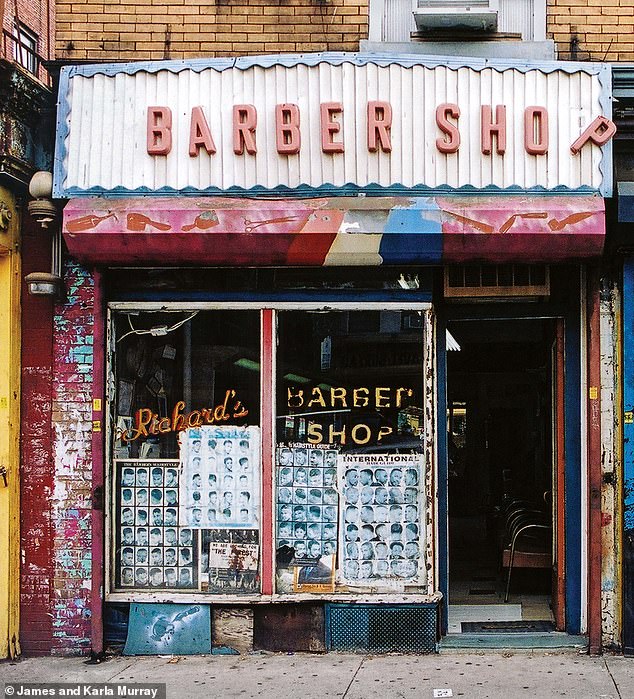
451, 342
340, 231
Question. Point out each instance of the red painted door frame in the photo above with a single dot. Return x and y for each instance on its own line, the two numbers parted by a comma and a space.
37, 478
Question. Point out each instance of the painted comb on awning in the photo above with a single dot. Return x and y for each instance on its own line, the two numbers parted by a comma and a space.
334, 231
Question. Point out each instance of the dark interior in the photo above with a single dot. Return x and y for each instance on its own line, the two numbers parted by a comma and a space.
500, 456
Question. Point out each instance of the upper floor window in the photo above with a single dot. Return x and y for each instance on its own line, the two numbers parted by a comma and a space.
393, 20
25, 48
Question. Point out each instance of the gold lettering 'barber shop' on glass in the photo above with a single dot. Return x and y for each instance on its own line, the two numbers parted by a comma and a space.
349, 396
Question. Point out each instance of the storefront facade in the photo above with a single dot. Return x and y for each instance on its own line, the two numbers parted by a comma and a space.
334, 314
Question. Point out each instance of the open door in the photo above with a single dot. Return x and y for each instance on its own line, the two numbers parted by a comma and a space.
505, 413
559, 463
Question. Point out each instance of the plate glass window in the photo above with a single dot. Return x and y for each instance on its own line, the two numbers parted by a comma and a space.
186, 445
349, 457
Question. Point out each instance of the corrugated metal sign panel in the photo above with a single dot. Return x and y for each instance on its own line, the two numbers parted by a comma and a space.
101, 143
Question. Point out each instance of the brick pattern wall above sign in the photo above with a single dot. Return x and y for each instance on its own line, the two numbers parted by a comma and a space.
189, 29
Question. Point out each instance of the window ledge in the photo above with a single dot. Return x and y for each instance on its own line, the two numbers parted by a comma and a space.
162, 597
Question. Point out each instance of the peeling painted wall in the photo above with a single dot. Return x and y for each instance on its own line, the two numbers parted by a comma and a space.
430, 450
610, 467
36, 473
71, 497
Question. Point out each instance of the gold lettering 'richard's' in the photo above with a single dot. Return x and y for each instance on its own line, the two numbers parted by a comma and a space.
148, 423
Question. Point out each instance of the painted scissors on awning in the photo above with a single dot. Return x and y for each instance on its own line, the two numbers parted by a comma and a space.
250, 226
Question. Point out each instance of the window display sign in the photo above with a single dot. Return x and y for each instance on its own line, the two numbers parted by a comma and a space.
230, 561
319, 577
307, 501
357, 399
147, 423
220, 477
381, 517
224, 555
152, 551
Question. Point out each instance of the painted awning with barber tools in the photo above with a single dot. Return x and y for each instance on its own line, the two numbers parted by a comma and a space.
340, 231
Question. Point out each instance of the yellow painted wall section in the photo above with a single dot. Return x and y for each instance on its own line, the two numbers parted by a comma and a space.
10, 280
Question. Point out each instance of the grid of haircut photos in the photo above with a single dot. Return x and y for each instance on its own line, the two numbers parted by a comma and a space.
152, 551
220, 483
307, 501
381, 517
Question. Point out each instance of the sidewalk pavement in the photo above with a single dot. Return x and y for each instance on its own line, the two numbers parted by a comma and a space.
306, 676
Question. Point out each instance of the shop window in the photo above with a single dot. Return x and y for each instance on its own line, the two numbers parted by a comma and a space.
186, 467
350, 462
343, 489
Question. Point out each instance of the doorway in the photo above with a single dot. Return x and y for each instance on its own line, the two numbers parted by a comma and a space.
503, 402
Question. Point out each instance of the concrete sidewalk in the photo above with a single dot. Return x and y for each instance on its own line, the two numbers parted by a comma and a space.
306, 676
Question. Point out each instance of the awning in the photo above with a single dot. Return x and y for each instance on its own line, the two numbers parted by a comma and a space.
208, 231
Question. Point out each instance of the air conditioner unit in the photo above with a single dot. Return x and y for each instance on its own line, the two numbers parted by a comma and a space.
457, 15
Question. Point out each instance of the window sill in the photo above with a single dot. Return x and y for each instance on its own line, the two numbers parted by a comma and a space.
520, 50
162, 597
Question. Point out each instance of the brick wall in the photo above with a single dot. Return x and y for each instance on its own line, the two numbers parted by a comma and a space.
190, 28
589, 30
56, 461
36, 472
592, 30
37, 15
71, 497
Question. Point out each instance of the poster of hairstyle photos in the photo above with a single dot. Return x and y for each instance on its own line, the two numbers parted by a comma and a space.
152, 551
381, 516
220, 477
307, 501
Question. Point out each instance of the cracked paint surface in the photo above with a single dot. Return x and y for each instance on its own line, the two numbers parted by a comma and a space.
71, 498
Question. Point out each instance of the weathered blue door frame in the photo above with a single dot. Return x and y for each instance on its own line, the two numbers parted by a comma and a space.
569, 310
628, 456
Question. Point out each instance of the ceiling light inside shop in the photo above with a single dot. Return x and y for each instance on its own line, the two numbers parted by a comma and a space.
249, 364
294, 378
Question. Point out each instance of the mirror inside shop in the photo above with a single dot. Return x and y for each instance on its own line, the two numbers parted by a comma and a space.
186, 480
